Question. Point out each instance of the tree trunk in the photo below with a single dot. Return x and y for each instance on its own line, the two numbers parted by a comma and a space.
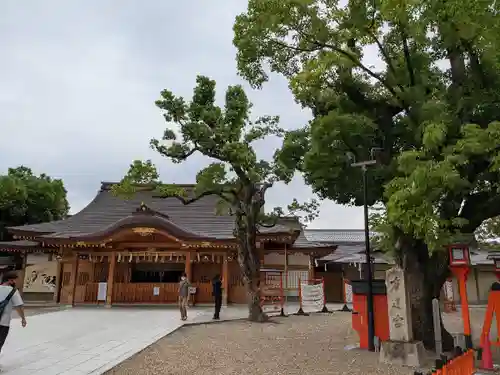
249, 260
255, 313
426, 276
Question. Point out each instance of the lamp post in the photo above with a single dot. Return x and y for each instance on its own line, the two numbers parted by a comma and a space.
460, 264
368, 275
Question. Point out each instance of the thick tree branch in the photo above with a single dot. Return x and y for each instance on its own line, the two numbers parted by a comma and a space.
478, 207
219, 192
406, 52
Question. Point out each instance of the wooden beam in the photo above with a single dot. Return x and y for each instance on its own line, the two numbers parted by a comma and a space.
312, 274
59, 272
188, 267
74, 278
111, 279
286, 271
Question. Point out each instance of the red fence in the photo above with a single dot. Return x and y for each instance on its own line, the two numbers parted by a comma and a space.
461, 365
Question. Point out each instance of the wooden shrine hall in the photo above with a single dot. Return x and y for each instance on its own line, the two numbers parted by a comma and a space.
133, 251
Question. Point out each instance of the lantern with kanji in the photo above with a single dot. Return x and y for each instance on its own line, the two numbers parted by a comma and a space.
459, 256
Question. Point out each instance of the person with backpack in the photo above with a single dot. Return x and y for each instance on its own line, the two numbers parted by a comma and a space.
184, 285
9, 299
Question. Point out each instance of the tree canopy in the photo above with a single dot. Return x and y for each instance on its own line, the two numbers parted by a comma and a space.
237, 175
223, 134
431, 107
26, 198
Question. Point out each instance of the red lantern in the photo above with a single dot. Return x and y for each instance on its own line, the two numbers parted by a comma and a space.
459, 255
459, 264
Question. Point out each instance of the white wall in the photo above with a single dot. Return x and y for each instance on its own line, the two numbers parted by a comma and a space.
293, 259
36, 258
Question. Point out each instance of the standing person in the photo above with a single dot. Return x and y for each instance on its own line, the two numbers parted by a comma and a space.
217, 293
184, 295
9, 299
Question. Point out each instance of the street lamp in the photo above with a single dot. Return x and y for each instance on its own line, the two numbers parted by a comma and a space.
368, 275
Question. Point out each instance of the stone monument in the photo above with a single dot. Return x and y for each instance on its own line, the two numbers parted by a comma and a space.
400, 348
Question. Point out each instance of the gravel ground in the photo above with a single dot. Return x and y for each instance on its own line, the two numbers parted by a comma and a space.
295, 345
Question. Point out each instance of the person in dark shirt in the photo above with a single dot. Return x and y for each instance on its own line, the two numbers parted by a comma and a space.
217, 293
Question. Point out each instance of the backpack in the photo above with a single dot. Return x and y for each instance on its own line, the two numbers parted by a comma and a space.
6, 301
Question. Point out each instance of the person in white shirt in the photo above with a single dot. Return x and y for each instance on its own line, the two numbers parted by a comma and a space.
8, 290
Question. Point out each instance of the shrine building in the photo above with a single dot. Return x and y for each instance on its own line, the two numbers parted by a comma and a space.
133, 251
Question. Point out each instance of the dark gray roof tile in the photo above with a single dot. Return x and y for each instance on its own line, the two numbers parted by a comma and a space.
335, 235
199, 217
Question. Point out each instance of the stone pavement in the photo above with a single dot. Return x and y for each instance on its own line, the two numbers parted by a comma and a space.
84, 340
91, 340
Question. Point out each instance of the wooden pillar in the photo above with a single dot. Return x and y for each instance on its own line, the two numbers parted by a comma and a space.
111, 279
188, 267
285, 283
74, 278
59, 272
312, 274
225, 280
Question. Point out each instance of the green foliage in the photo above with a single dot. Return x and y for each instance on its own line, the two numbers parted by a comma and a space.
488, 234
237, 175
29, 199
431, 108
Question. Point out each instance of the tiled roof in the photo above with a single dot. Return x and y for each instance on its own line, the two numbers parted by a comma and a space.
335, 235
303, 242
106, 209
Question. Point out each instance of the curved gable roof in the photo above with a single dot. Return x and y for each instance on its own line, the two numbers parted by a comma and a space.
198, 219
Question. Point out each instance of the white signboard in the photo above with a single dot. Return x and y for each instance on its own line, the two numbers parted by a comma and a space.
348, 292
40, 277
102, 290
156, 291
312, 295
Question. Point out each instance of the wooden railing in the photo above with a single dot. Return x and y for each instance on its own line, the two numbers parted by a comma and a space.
91, 292
148, 292
145, 292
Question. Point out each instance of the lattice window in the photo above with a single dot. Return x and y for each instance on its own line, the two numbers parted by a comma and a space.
236, 280
100, 272
66, 278
83, 278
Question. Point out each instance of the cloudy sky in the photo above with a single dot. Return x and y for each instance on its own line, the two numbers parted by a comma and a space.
78, 81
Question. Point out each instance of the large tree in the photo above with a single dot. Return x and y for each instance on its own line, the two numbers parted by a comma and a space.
26, 198
237, 176
430, 109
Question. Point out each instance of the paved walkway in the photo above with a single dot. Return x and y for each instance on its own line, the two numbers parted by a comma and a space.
84, 341
91, 341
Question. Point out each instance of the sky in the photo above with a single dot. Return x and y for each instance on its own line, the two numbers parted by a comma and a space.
78, 82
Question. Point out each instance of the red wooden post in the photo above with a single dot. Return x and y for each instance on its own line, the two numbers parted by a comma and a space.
461, 275
460, 264
301, 310
282, 296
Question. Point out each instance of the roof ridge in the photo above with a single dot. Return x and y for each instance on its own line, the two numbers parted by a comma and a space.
333, 230
107, 185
